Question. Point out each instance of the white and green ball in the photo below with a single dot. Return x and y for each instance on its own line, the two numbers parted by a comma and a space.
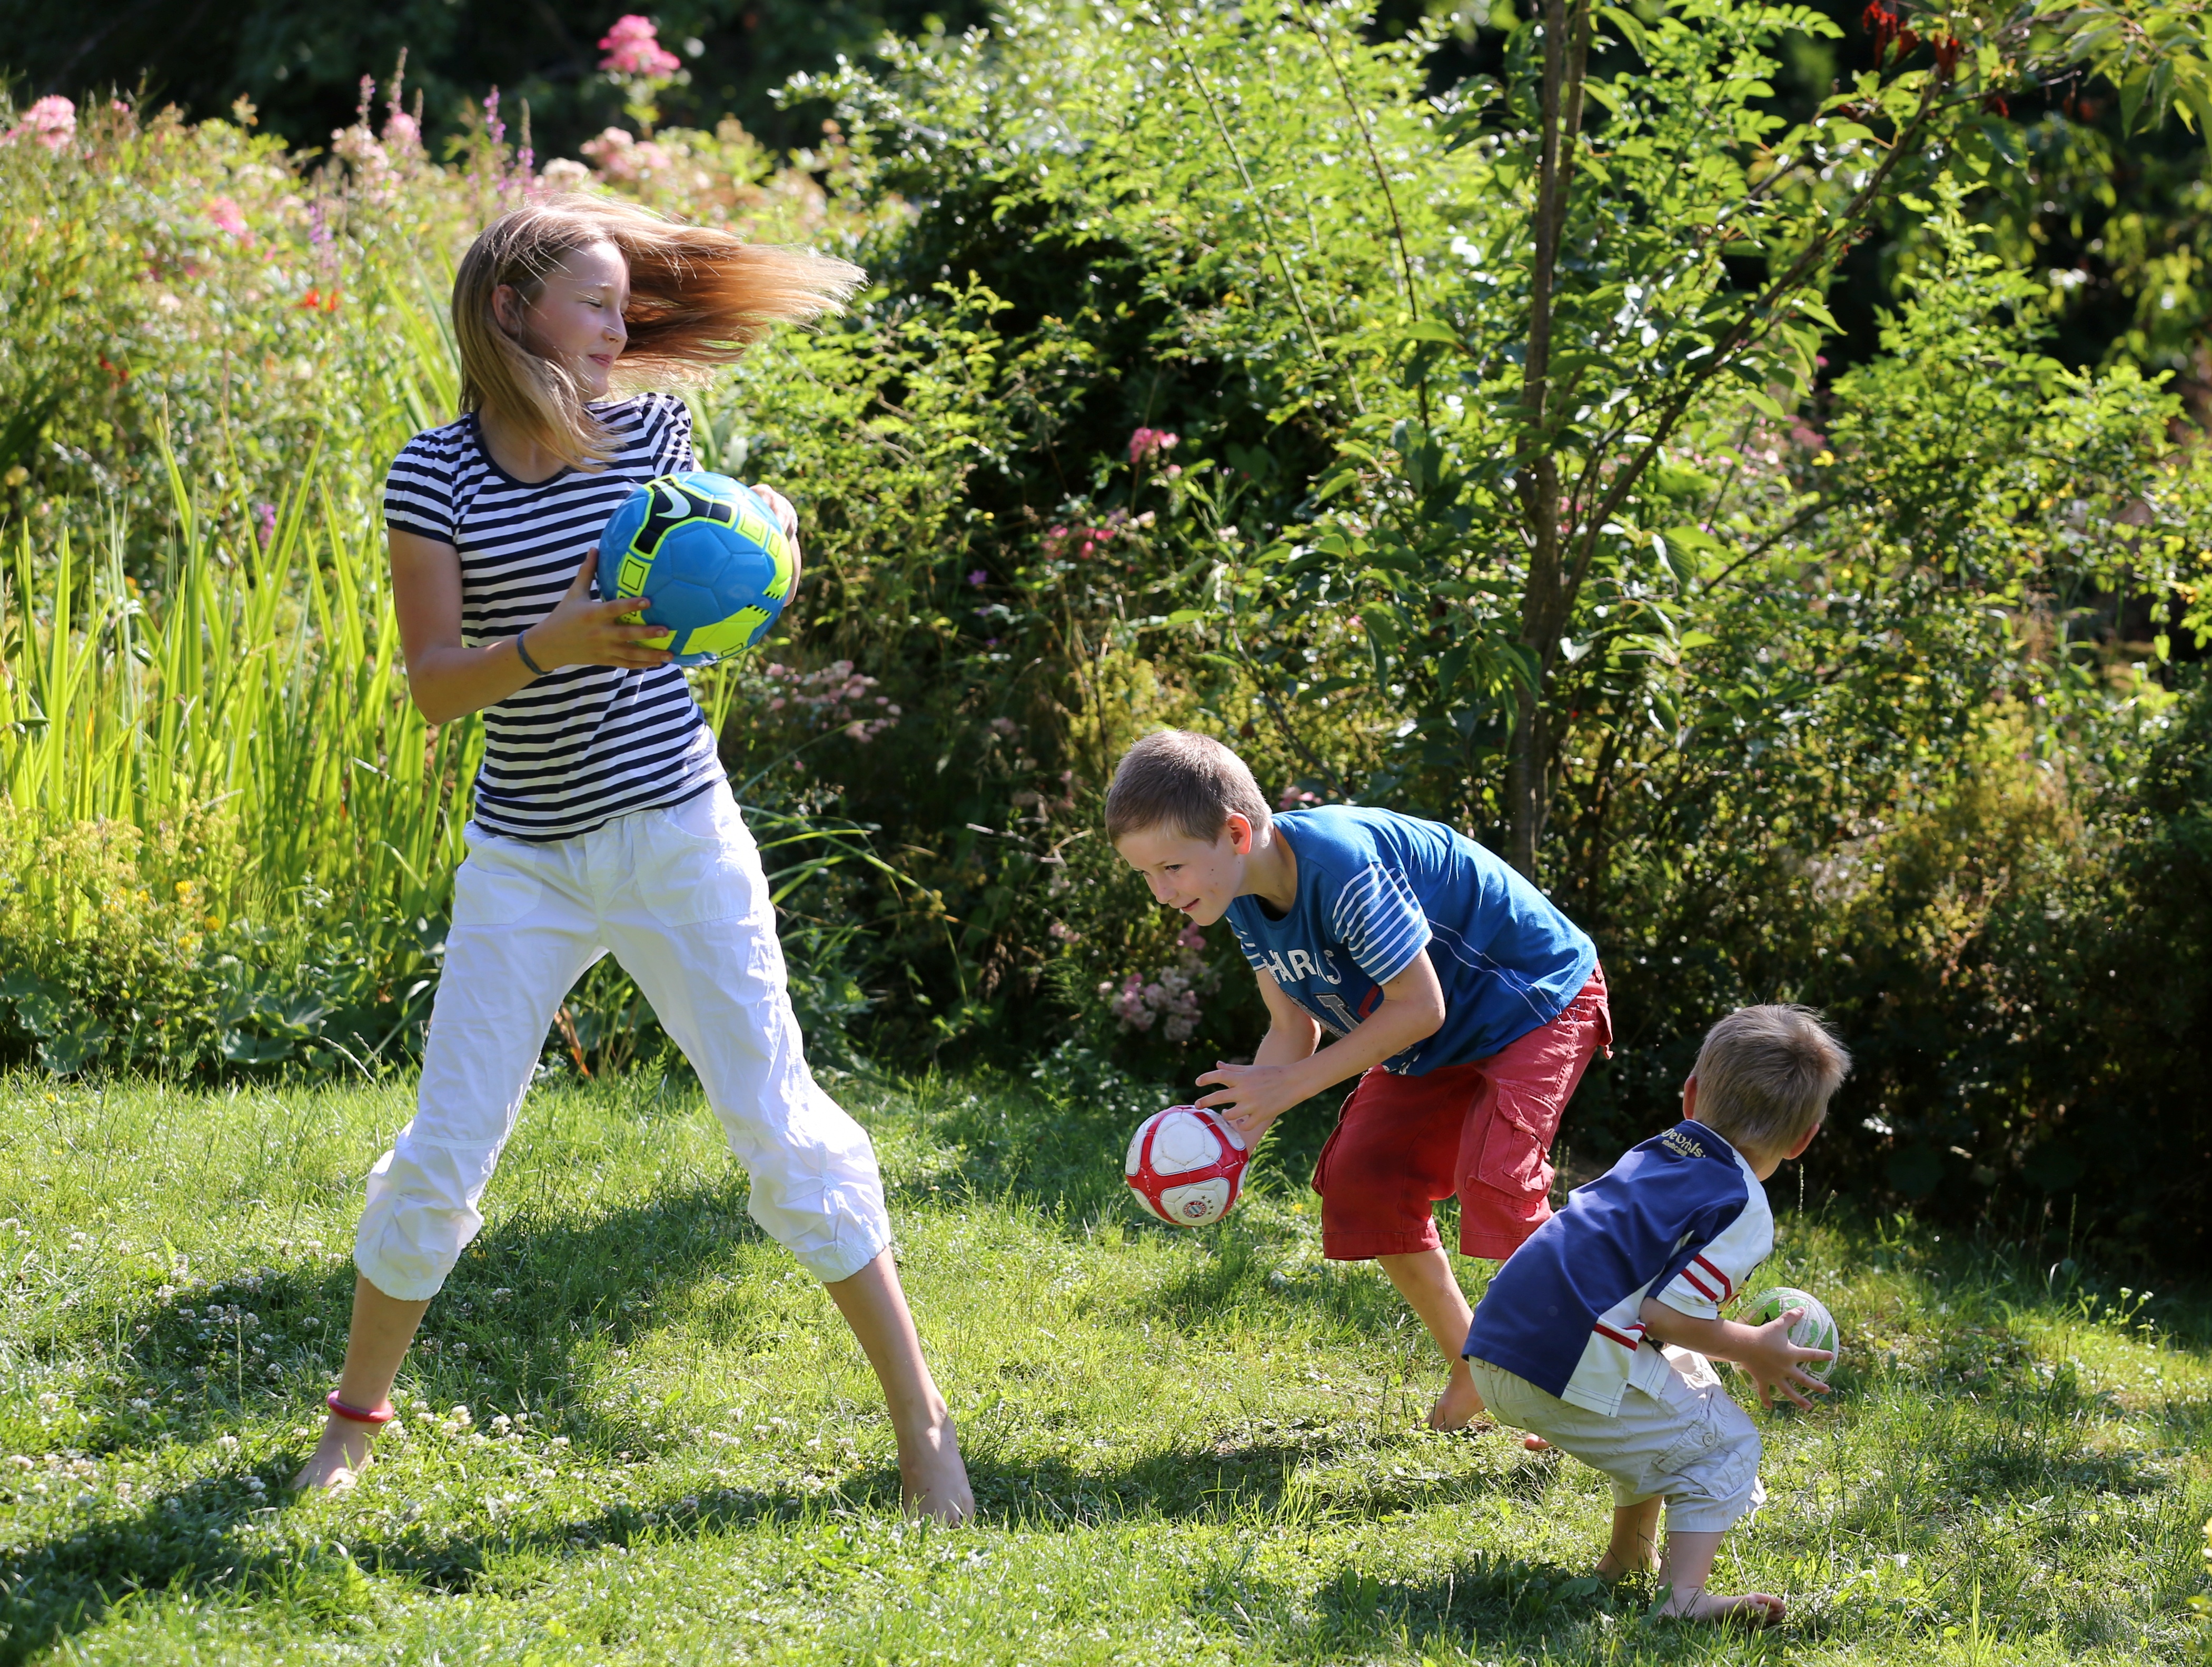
1815, 1328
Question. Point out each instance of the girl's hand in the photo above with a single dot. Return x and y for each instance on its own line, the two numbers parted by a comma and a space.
788, 518
581, 632
1252, 1097
1774, 1362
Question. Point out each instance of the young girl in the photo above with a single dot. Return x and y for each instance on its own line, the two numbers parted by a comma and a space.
603, 820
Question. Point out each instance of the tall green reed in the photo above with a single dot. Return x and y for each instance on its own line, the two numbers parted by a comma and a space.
261, 679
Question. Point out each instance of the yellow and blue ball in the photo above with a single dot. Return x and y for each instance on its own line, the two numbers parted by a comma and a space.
710, 555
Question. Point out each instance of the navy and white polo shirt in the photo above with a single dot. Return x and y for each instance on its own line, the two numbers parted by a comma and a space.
1682, 1218
583, 744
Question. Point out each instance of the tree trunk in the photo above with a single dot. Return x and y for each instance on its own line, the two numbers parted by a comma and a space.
1527, 786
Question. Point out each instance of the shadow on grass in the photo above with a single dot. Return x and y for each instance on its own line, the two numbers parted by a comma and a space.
573, 1289
199, 1541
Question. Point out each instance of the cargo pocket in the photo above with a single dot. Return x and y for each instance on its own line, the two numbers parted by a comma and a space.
1512, 1160
1712, 1454
491, 888
700, 865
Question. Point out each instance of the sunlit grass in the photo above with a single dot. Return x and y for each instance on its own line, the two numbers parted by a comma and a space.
1186, 1446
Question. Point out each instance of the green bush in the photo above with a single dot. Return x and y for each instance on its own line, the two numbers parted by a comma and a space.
1193, 388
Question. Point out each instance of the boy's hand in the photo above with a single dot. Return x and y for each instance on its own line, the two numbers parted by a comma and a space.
1252, 1097
1773, 1361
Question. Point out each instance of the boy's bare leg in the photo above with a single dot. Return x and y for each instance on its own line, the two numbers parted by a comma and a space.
1424, 1279
1683, 1572
1635, 1546
382, 1328
933, 1479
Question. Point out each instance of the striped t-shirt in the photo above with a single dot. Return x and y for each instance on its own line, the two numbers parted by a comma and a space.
1374, 890
583, 744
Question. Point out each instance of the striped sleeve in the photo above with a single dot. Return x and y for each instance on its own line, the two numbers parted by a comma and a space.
418, 491
1379, 920
672, 437
1713, 1275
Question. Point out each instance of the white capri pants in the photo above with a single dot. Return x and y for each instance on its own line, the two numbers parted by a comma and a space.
678, 896
1692, 1446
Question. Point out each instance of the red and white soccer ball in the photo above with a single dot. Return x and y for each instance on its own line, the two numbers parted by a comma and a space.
1187, 1165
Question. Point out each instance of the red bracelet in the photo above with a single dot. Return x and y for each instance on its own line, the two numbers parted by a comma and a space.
381, 1416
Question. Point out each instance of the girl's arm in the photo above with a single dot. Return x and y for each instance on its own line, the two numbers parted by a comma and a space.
450, 680
1253, 1096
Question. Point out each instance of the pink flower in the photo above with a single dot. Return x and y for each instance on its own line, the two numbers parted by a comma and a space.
228, 217
633, 48
265, 514
1147, 444
619, 157
1192, 937
401, 133
52, 121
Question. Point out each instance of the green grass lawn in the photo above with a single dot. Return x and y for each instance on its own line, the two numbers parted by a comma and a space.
635, 1433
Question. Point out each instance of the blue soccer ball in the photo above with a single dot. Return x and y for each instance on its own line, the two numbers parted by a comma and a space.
709, 553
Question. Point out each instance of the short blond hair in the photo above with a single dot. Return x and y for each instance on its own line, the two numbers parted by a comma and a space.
1176, 778
1766, 1075
699, 296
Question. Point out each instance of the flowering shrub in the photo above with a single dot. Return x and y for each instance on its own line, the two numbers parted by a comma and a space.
619, 157
633, 48
1170, 994
1145, 445
637, 63
52, 121
834, 697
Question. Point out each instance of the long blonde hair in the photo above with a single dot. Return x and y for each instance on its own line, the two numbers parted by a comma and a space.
699, 297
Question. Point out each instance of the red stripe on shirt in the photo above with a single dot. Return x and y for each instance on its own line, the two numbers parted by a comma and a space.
1607, 1331
1728, 1286
1690, 1276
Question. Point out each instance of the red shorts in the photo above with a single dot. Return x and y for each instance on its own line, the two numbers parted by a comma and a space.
1482, 1130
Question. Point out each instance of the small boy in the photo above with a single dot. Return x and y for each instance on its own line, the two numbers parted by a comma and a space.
1594, 1335
1464, 1002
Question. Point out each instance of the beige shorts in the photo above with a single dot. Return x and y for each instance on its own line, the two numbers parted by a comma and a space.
1694, 1446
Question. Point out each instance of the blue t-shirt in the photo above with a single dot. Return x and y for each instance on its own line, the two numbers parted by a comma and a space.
1682, 1218
1374, 889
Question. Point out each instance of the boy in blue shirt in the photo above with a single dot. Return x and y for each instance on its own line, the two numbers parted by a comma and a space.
1594, 1335
1465, 1003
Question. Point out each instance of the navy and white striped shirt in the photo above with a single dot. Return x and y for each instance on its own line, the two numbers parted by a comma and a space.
1682, 1218
583, 744
1374, 890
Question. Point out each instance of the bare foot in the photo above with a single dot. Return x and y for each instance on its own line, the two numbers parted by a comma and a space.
1611, 1568
1761, 1609
1459, 1407
932, 1477
339, 1458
